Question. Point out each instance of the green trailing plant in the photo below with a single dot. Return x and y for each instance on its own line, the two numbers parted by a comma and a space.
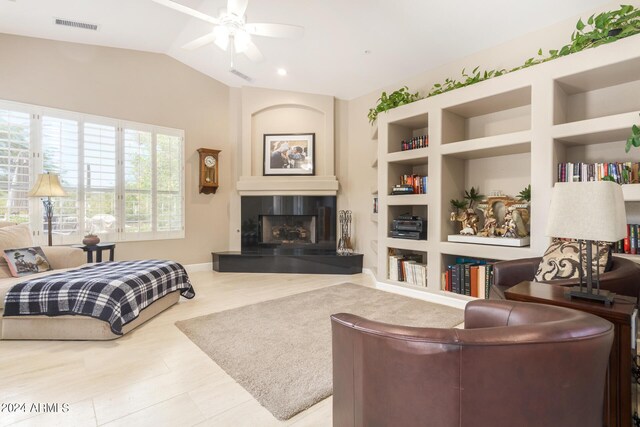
473, 196
634, 139
395, 99
600, 29
525, 194
458, 204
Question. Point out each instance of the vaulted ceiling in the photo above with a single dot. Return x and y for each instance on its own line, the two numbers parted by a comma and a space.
349, 47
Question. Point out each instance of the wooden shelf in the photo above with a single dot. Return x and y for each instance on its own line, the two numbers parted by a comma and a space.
407, 244
486, 252
417, 156
631, 192
408, 199
596, 131
490, 146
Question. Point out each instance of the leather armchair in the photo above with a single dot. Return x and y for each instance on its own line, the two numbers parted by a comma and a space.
622, 279
514, 364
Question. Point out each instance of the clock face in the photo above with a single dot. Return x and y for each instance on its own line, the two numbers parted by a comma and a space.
209, 161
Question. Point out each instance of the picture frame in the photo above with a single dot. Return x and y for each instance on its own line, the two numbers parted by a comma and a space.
289, 154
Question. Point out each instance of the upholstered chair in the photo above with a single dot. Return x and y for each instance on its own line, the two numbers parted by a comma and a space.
623, 278
513, 364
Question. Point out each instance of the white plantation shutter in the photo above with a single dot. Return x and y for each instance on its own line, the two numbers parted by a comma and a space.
138, 183
60, 142
15, 164
100, 180
169, 180
124, 181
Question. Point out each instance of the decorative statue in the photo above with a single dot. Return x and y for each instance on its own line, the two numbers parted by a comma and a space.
468, 217
516, 214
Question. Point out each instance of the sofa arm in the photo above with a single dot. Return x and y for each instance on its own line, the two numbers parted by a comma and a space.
64, 256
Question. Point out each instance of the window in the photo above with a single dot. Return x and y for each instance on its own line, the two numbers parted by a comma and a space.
124, 181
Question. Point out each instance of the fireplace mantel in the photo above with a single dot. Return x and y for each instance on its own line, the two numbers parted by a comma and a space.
287, 185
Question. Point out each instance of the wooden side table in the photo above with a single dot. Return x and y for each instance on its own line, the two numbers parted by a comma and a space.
90, 249
617, 410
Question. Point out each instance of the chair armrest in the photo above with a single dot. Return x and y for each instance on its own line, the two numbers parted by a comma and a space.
64, 256
509, 273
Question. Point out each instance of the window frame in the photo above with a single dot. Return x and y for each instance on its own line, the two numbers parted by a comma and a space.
36, 149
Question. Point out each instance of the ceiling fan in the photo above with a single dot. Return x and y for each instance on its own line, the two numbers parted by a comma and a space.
231, 31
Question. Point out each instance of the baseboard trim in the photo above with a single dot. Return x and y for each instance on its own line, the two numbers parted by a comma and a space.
192, 268
413, 293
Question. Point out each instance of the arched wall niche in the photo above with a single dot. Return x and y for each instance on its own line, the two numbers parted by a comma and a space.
287, 118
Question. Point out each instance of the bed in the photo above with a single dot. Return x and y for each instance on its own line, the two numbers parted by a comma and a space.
96, 302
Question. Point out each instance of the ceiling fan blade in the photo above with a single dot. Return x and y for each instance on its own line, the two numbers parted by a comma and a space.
275, 30
237, 7
191, 12
253, 53
200, 41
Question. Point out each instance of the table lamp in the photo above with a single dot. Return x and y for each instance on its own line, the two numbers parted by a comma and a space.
588, 212
47, 185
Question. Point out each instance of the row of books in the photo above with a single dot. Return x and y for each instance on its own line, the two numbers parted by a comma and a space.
411, 184
472, 277
415, 142
408, 268
630, 244
621, 172
375, 205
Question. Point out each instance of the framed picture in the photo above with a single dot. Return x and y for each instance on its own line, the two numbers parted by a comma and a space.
289, 154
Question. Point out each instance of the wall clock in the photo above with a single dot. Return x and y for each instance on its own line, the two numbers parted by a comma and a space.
208, 164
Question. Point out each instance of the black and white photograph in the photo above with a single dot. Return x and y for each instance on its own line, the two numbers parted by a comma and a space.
289, 154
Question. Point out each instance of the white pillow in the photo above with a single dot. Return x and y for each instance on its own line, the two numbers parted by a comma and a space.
16, 236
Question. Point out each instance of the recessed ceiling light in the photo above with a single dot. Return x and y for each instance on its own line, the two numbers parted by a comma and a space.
367, 52
282, 72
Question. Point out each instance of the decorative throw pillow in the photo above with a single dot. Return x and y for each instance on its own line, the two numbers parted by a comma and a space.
26, 261
562, 261
16, 236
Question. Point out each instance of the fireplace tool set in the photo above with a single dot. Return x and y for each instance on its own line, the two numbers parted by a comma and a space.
344, 244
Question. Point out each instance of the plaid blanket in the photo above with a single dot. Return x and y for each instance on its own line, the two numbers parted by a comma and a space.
115, 292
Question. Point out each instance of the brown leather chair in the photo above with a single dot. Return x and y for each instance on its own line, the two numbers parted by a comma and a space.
623, 278
514, 364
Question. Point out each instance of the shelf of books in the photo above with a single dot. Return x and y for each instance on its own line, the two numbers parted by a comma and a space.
408, 199
408, 268
407, 244
470, 277
410, 157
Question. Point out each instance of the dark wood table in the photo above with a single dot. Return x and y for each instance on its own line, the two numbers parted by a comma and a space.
90, 249
618, 410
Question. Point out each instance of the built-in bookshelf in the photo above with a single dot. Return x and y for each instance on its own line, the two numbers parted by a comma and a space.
375, 205
502, 135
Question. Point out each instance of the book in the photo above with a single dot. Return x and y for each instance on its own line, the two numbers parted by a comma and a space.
473, 280
482, 269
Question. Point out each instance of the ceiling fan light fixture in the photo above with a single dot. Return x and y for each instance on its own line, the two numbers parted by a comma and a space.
221, 34
241, 40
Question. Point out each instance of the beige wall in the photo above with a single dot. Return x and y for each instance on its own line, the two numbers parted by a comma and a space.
142, 87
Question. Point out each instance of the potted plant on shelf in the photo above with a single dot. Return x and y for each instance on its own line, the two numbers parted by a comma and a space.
634, 139
395, 99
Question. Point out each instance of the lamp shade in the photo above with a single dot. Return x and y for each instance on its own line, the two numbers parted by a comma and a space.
587, 211
47, 185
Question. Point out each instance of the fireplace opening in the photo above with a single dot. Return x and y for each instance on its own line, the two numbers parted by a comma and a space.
288, 229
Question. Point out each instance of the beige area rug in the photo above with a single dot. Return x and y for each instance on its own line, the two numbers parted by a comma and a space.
280, 350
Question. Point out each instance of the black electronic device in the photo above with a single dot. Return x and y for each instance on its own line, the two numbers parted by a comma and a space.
412, 235
407, 226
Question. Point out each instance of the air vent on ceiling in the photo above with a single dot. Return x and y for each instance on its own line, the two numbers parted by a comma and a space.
241, 75
76, 24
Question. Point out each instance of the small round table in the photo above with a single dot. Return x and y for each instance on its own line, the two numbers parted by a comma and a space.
90, 249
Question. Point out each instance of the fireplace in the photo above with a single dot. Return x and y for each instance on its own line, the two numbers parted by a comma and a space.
288, 234
283, 224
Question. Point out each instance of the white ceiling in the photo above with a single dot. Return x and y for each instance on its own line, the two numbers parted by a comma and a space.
405, 37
